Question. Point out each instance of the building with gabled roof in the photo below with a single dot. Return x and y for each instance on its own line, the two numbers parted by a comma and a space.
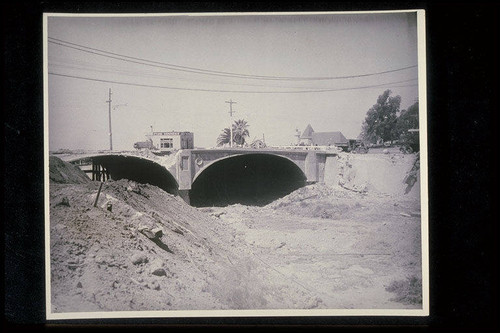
311, 138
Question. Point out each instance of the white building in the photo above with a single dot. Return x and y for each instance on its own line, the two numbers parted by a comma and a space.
171, 140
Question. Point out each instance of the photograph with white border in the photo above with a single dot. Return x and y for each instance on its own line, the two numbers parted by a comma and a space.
235, 164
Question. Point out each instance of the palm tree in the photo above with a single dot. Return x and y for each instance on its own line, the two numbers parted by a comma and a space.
240, 133
224, 137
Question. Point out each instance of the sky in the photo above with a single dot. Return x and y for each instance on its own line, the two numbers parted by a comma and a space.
176, 73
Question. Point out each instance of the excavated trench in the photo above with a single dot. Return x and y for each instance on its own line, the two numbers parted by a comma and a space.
253, 179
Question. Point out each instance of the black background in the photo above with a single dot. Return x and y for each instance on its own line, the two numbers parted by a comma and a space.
462, 89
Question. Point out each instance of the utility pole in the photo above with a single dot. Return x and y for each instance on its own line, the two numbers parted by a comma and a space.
231, 121
109, 113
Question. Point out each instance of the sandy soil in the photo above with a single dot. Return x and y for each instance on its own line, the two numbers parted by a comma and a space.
337, 245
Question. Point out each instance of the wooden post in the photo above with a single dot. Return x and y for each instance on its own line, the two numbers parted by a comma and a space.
98, 193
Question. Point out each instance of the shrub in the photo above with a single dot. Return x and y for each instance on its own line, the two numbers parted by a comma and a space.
407, 291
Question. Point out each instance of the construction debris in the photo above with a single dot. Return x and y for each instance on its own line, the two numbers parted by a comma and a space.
155, 233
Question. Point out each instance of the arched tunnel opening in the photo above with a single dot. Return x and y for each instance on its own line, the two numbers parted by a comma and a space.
139, 170
252, 179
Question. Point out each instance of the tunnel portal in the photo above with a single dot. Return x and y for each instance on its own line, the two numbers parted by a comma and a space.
252, 179
139, 170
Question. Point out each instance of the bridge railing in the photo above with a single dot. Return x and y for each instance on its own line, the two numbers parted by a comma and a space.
331, 148
317, 148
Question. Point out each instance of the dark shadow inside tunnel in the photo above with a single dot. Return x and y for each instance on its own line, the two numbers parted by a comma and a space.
139, 170
252, 179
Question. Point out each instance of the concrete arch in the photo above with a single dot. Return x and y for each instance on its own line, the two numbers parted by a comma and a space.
207, 165
138, 169
254, 179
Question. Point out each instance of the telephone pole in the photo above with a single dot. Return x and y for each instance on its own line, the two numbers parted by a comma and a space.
230, 102
109, 113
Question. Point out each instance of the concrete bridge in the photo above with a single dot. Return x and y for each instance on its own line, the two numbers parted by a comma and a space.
200, 175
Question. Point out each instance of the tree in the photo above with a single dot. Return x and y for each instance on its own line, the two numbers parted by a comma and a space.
223, 138
408, 120
240, 133
381, 119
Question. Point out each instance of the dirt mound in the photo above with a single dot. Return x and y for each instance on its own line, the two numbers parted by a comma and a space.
65, 173
106, 258
102, 258
320, 200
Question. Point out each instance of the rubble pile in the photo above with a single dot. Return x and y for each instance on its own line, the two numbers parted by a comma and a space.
320, 200
101, 257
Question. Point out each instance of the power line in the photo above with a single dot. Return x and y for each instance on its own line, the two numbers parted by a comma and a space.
229, 91
156, 64
119, 71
